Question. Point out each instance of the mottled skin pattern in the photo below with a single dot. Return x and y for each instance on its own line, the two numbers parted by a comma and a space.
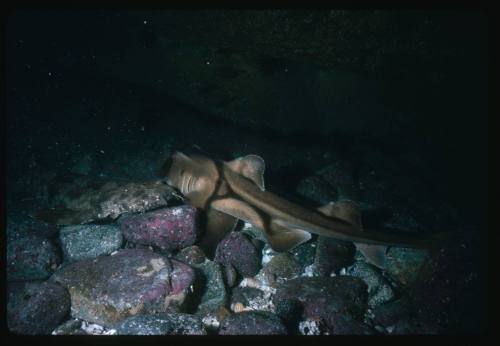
79, 202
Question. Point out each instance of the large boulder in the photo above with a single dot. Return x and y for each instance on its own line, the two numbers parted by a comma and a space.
109, 289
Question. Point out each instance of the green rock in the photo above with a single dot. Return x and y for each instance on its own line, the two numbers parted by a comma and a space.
210, 287
403, 264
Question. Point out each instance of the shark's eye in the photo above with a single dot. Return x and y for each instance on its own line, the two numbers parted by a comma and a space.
182, 172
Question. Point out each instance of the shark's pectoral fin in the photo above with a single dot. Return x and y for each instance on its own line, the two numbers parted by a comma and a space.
251, 167
239, 209
282, 236
374, 254
345, 210
217, 225
196, 198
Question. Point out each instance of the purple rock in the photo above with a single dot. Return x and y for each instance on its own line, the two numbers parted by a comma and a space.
252, 323
109, 289
237, 250
36, 307
338, 324
332, 255
169, 229
322, 297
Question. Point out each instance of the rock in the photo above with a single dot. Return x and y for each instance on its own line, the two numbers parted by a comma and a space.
191, 255
379, 288
168, 229
70, 327
413, 326
332, 255
237, 250
36, 307
209, 286
449, 293
31, 258
245, 296
304, 254
338, 324
82, 242
109, 289
252, 323
94, 198
317, 189
161, 324
404, 264
322, 296
281, 267
20, 225
331, 183
389, 314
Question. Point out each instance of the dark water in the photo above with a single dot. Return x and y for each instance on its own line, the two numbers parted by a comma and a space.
126, 88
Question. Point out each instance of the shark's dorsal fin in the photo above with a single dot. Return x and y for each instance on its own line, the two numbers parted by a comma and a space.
374, 254
217, 226
348, 211
251, 167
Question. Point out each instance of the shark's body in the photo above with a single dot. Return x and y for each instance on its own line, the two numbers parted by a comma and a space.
228, 191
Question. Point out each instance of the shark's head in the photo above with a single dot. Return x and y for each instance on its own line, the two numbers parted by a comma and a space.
195, 177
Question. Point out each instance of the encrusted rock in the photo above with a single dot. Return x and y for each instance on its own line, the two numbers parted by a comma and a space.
36, 307
191, 255
209, 286
92, 198
379, 288
252, 323
237, 250
245, 296
82, 242
281, 267
109, 289
31, 258
168, 229
404, 264
304, 253
161, 324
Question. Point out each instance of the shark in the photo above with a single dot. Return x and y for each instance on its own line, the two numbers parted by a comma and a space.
228, 191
